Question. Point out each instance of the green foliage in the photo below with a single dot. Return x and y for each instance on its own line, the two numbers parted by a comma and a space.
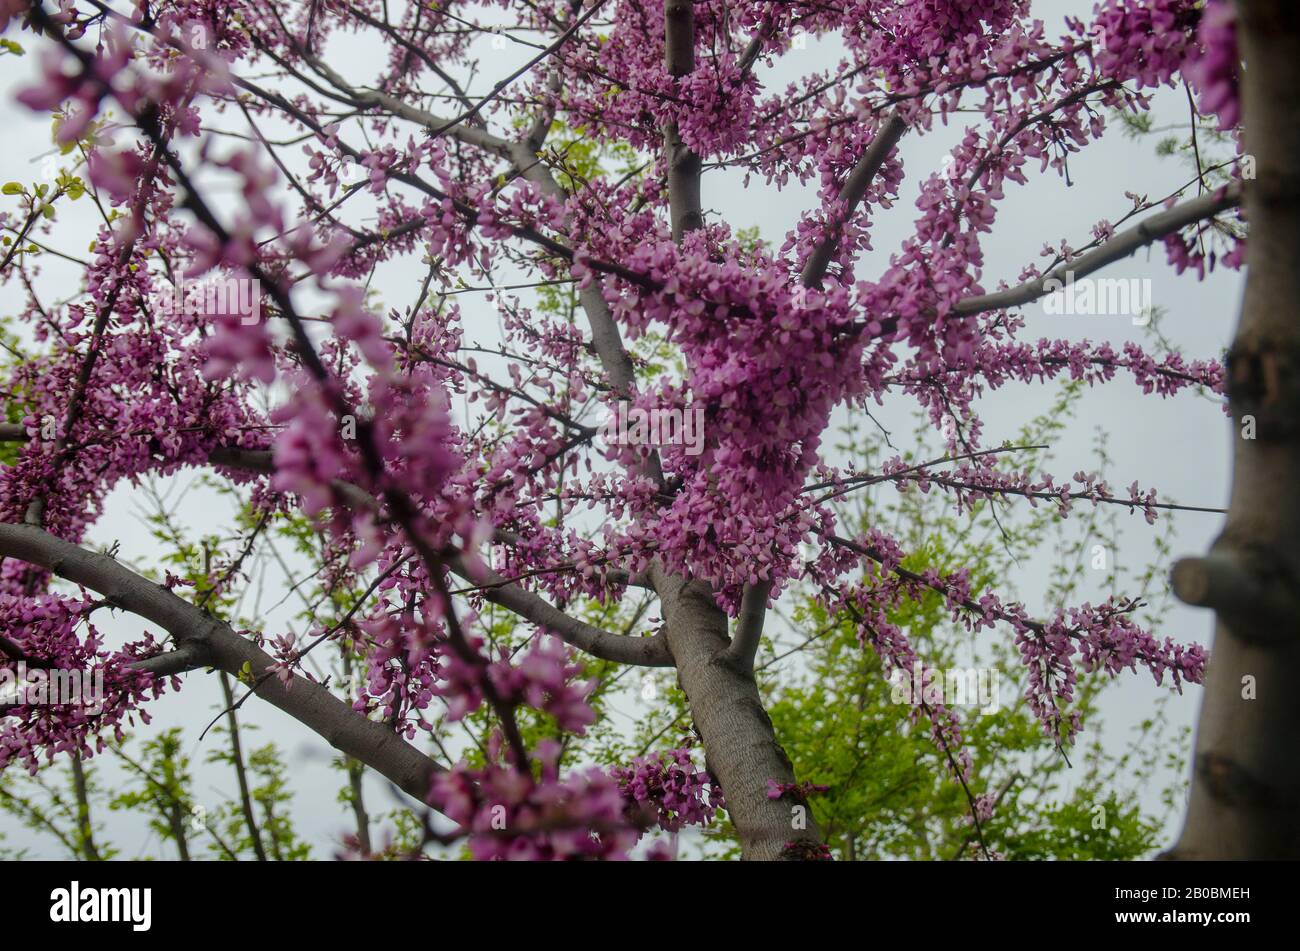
56, 806
271, 796
163, 791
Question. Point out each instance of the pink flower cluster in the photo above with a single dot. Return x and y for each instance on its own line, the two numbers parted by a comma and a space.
801, 790
544, 678
668, 790
506, 815
45, 629
1147, 40
1216, 71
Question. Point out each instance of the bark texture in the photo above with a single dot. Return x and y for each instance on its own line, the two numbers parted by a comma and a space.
740, 746
1245, 797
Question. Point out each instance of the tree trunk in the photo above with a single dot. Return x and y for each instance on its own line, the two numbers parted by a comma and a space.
1245, 797
740, 748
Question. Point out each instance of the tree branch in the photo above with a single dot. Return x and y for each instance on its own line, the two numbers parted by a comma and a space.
855, 186
683, 165
1117, 248
637, 651
642, 652
206, 641
749, 626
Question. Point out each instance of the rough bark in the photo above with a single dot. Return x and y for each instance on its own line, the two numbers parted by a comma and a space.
1245, 797
740, 747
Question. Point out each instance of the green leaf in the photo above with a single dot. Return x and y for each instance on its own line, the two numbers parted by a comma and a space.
12, 188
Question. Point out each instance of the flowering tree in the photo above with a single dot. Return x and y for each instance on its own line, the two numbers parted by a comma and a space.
880, 785
243, 336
